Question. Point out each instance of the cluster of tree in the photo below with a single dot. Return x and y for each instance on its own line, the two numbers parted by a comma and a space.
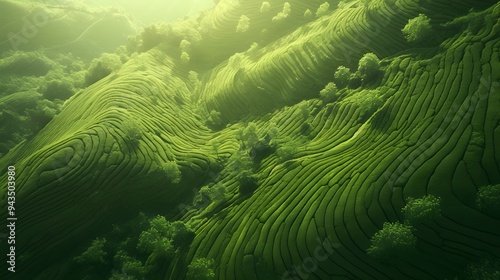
33, 88
418, 29
287, 9
101, 67
134, 250
368, 71
488, 200
397, 241
200, 269
243, 24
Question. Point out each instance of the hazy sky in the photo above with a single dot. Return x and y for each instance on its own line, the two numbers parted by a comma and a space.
148, 11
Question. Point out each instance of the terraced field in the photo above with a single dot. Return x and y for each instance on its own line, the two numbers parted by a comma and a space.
427, 123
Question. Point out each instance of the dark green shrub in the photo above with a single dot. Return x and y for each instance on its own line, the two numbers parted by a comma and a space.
153, 35
157, 239
417, 29
25, 64
129, 267
215, 120
215, 193
172, 171
102, 67
42, 114
287, 151
394, 241
132, 131
182, 235
488, 200
342, 76
248, 136
368, 66
94, 254
200, 269
58, 89
421, 210
248, 183
329, 93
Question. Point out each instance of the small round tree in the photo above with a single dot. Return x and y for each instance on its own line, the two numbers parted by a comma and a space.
417, 29
329, 93
421, 210
157, 239
394, 241
243, 24
264, 8
342, 76
368, 66
200, 269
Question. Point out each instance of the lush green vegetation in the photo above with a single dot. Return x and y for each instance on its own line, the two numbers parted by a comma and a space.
393, 243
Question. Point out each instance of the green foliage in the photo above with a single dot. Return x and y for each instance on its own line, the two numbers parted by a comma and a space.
102, 67
303, 111
239, 162
153, 35
214, 120
265, 7
43, 113
171, 169
243, 24
193, 77
322, 9
157, 238
94, 254
366, 3
421, 210
394, 241
129, 267
287, 8
248, 136
132, 131
21, 63
329, 93
236, 61
248, 182
342, 76
485, 269
185, 45
368, 66
185, 58
417, 29
22, 115
287, 151
216, 193
180, 234
200, 269
58, 89
188, 29
488, 200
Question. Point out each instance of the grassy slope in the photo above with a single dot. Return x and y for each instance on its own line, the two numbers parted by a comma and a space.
335, 187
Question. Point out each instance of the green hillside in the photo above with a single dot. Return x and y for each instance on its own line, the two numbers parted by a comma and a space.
275, 140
